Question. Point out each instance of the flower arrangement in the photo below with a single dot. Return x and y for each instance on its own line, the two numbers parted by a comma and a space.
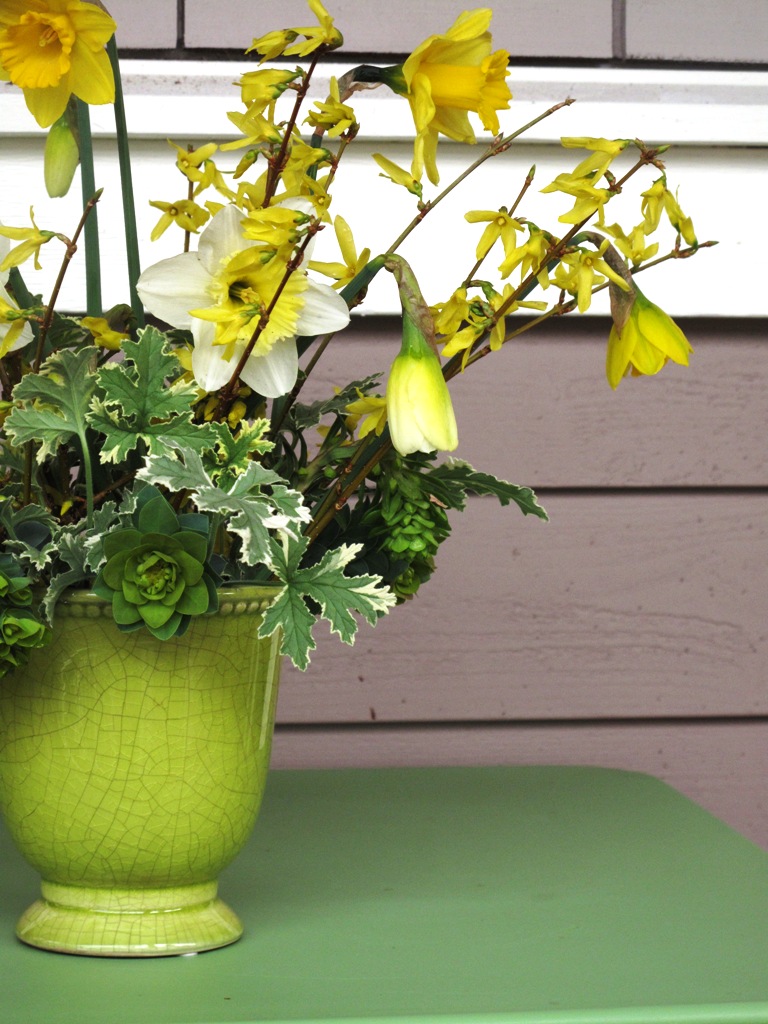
152, 459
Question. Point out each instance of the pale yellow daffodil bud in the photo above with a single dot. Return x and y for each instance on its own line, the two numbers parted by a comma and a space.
419, 408
61, 157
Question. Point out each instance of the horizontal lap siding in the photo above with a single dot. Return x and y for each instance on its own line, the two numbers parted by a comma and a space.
623, 605
687, 30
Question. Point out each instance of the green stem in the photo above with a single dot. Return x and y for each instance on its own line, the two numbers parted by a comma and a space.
88, 182
126, 185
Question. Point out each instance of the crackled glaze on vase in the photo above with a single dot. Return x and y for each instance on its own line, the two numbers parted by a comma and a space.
131, 773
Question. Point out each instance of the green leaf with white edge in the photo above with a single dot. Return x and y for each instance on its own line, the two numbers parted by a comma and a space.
104, 519
72, 551
454, 479
136, 403
54, 402
325, 583
251, 513
232, 453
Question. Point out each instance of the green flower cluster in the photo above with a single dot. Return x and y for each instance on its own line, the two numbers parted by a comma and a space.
413, 525
20, 629
156, 573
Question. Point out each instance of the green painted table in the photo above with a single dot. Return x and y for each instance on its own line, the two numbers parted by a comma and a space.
521, 895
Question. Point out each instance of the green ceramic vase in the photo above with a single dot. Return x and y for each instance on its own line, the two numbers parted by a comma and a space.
131, 773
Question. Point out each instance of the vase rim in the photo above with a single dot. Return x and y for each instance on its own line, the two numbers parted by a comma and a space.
234, 599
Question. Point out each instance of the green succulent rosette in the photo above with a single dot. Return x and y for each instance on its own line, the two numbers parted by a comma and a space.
20, 632
155, 574
14, 585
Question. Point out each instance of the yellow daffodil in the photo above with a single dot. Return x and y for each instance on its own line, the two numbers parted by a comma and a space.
103, 334
367, 415
32, 239
222, 292
185, 213
499, 225
645, 342
398, 175
353, 263
581, 271
53, 49
419, 408
449, 75
332, 116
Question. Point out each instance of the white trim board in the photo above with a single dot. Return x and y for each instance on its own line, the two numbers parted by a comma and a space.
723, 108
717, 120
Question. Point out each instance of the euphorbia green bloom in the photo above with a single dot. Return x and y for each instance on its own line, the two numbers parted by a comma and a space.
14, 585
155, 574
645, 342
419, 408
20, 632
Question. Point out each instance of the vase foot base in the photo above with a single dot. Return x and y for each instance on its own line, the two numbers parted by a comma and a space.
129, 922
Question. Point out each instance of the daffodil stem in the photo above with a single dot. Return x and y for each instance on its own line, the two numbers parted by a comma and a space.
88, 182
126, 186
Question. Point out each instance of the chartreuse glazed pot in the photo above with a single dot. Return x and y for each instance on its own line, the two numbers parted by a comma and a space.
131, 773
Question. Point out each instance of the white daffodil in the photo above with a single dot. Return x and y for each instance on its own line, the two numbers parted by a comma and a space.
14, 334
219, 293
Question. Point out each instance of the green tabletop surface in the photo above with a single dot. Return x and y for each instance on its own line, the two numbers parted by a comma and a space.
531, 894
